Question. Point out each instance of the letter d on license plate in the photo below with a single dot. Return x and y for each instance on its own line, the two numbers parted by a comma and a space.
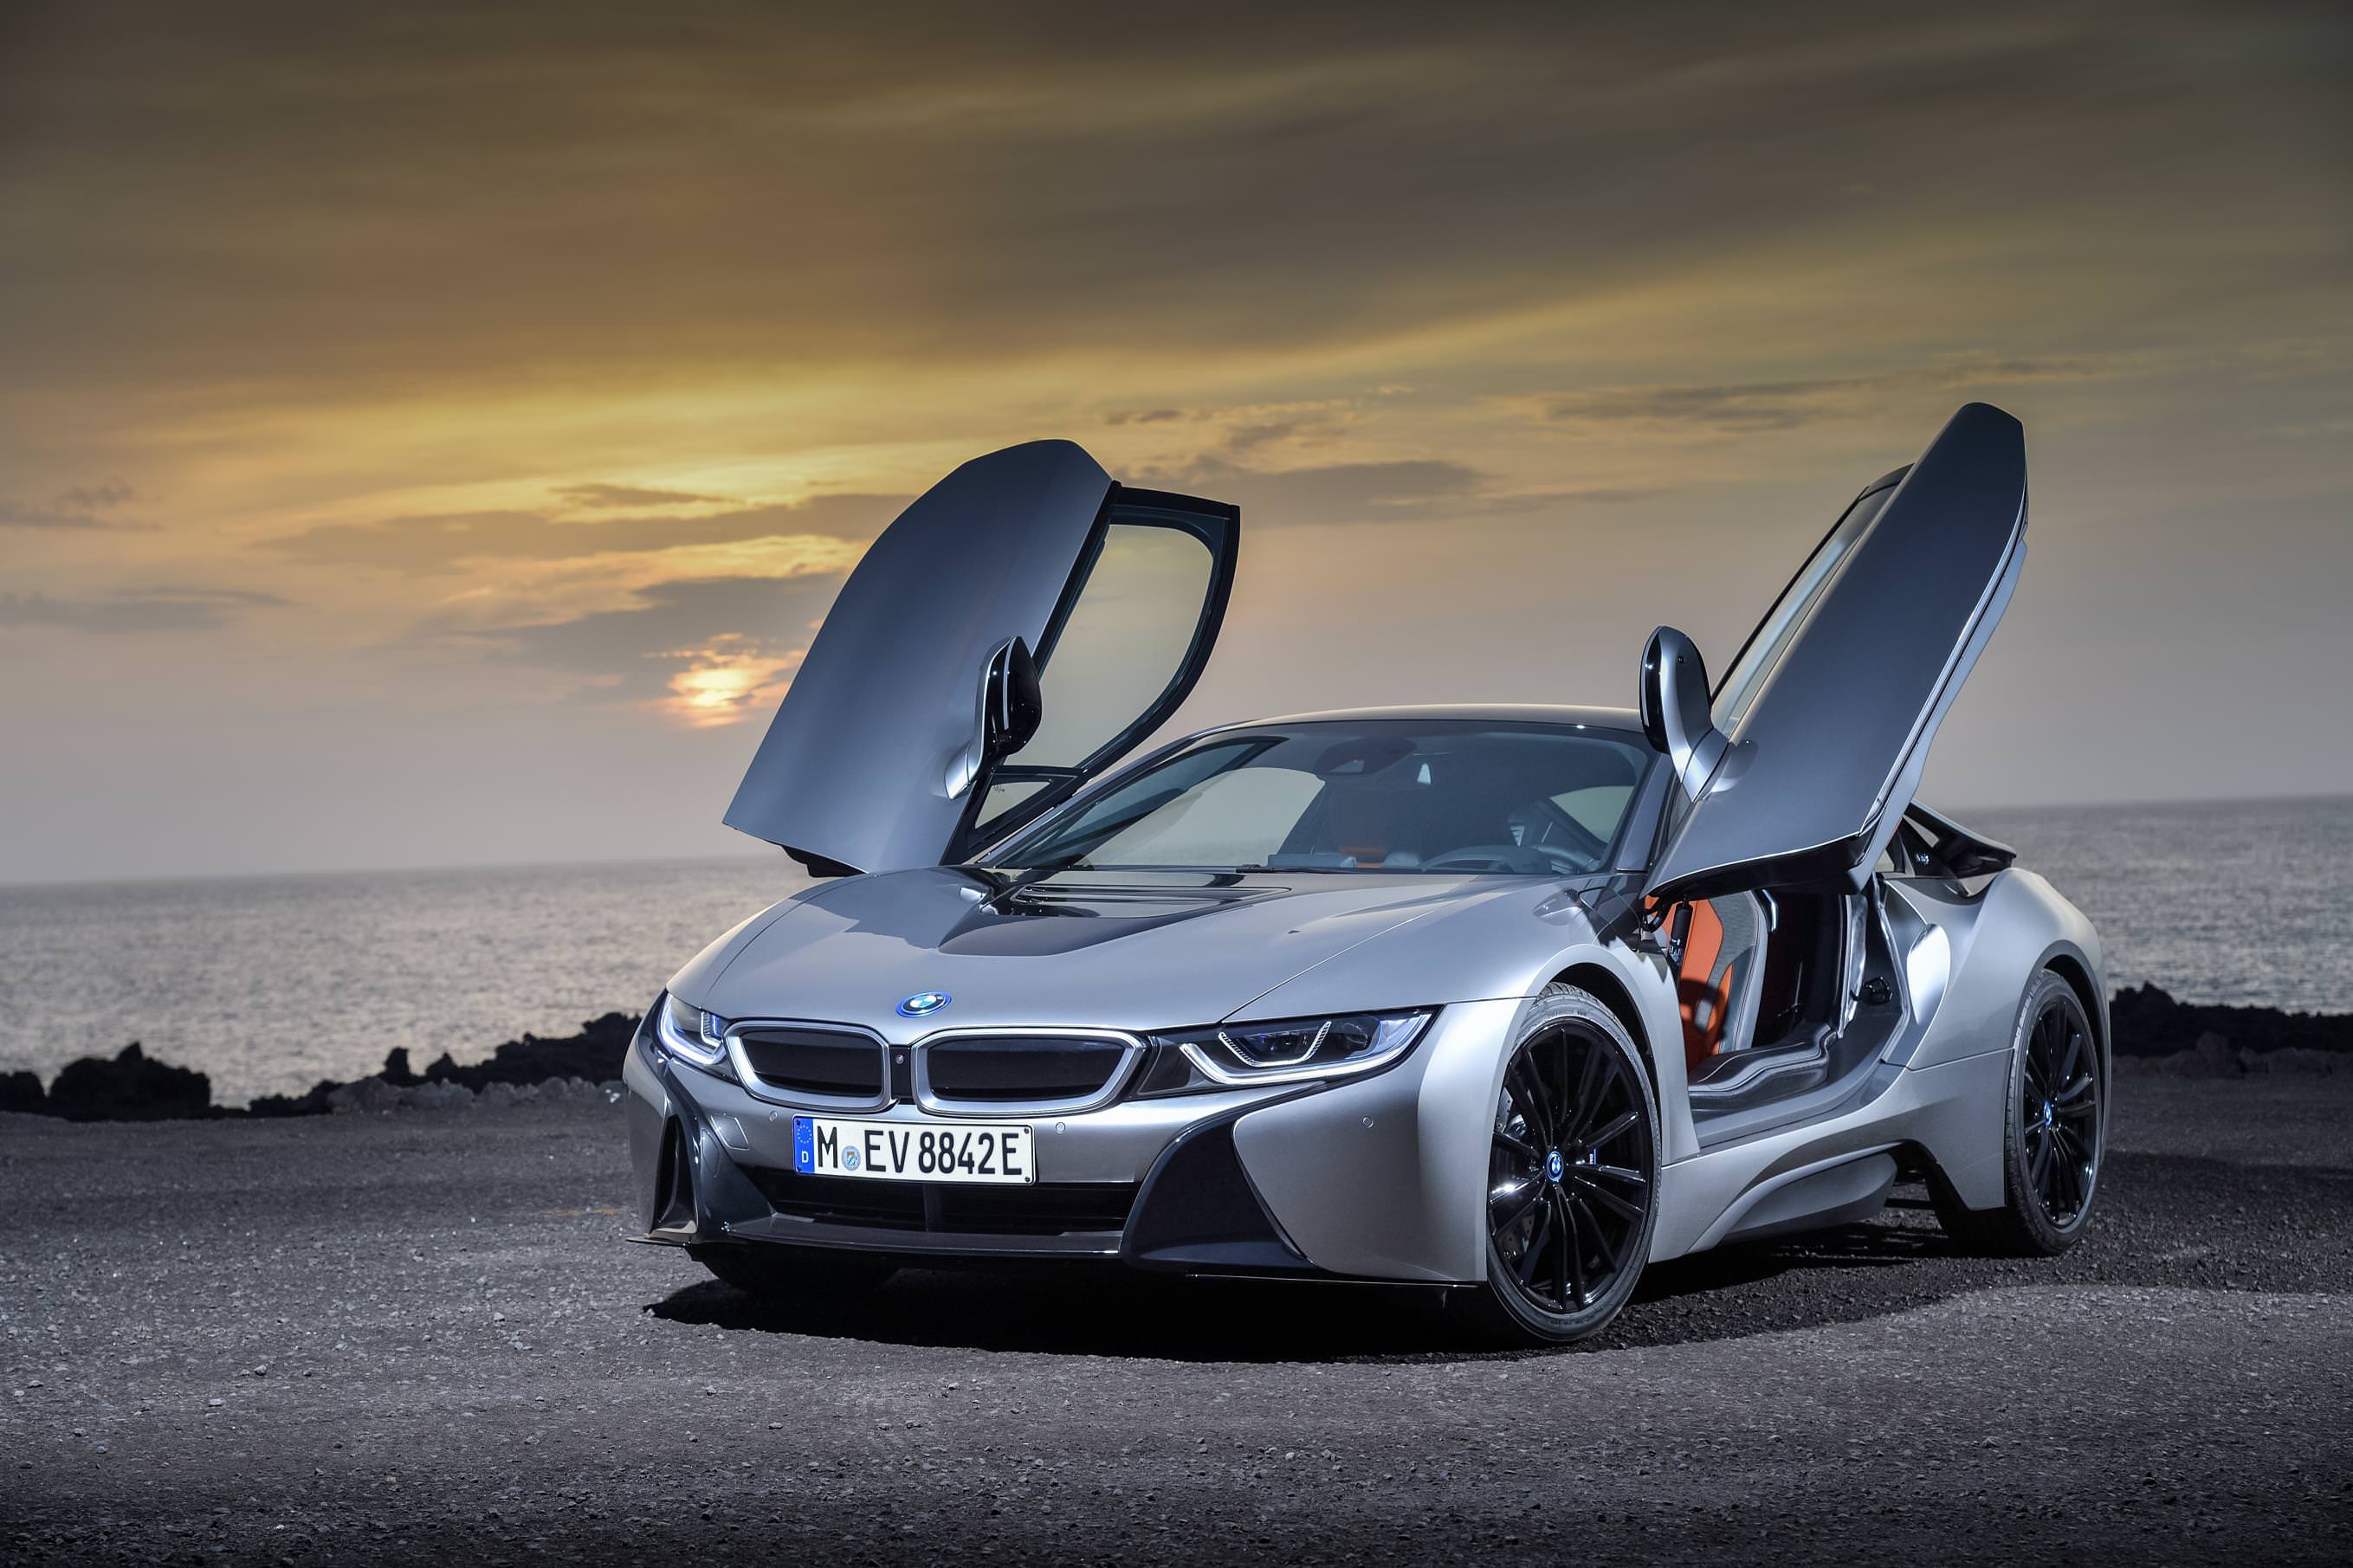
912, 1150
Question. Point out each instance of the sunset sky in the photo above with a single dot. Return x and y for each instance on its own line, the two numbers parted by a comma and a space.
430, 435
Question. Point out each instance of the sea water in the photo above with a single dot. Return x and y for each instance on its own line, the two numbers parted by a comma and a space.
271, 984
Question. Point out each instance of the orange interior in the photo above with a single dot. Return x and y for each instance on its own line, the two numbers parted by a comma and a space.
1692, 987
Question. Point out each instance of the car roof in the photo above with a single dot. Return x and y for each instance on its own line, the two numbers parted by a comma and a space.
1623, 719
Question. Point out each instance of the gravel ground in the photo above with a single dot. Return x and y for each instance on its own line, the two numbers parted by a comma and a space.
418, 1337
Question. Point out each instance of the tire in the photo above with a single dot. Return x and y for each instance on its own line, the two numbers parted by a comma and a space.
787, 1274
2054, 1133
1572, 1187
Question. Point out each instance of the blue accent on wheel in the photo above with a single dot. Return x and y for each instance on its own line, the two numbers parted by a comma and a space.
1568, 1177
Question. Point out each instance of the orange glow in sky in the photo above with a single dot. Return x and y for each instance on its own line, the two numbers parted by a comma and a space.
519, 385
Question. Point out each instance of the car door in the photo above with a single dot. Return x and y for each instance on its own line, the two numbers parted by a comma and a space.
881, 755
1830, 707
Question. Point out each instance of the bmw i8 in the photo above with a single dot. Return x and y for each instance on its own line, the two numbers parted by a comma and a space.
1506, 1001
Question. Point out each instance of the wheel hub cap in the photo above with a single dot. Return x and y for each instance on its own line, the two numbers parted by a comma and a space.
1555, 1166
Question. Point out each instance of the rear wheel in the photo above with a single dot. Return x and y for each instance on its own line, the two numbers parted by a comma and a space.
1572, 1175
2053, 1127
793, 1274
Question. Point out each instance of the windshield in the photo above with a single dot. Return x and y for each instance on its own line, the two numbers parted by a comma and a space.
1371, 796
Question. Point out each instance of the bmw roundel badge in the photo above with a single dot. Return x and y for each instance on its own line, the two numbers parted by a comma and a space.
922, 1003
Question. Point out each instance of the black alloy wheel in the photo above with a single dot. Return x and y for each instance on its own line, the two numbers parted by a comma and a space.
1572, 1172
2059, 1110
2054, 1118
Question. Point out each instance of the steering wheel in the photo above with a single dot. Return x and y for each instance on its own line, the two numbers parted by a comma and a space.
1515, 857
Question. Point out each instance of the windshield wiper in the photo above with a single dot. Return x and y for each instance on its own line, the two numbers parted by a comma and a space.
1279, 870
1032, 875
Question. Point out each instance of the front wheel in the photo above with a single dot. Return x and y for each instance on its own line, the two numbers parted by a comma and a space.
2053, 1125
1572, 1175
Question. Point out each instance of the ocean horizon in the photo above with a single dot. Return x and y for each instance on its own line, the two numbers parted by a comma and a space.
270, 982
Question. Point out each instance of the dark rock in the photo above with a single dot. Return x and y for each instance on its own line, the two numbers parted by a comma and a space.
2216, 1053
2147, 1021
22, 1091
370, 1096
595, 1054
311, 1102
130, 1088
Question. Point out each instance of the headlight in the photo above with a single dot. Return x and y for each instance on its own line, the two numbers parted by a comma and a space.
691, 1035
1296, 1050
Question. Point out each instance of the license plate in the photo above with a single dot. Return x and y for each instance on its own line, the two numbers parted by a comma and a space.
912, 1150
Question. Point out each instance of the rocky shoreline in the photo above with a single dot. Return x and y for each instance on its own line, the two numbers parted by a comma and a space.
132, 1086
2155, 1033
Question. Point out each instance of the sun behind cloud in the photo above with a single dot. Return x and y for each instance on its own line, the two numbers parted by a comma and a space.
730, 680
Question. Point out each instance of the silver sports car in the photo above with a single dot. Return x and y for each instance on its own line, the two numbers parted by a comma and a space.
1507, 1001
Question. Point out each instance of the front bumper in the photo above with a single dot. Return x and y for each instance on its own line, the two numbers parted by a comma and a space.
1379, 1178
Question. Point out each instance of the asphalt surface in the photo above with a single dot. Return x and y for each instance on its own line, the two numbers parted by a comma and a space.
419, 1337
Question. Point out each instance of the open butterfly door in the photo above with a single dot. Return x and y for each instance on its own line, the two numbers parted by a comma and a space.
1810, 747
1023, 625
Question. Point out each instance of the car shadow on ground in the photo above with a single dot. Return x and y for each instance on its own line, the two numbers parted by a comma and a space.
1107, 1310
2168, 1221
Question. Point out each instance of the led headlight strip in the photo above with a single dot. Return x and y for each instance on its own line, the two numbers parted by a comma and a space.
1298, 1049
691, 1035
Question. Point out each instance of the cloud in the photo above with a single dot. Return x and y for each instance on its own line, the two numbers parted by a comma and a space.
704, 651
443, 540
601, 495
135, 610
1244, 439
1247, 428
1404, 490
1747, 408
98, 497
82, 506
1145, 180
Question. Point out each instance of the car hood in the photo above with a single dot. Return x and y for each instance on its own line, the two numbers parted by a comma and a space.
1127, 950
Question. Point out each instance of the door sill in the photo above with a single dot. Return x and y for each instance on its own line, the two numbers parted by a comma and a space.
1747, 1078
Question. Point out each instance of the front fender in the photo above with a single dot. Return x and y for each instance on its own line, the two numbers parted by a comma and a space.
1507, 945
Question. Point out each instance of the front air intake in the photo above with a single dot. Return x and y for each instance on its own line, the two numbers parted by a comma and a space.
831, 1063
940, 1208
1021, 1069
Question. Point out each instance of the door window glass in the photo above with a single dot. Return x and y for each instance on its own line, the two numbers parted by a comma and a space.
1003, 798
1598, 808
1124, 641
1745, 678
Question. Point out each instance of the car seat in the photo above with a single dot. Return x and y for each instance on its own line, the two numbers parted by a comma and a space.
1712, 985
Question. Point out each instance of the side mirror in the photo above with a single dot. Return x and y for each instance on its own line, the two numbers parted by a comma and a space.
1010, 709
1011, 705
1673, 701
